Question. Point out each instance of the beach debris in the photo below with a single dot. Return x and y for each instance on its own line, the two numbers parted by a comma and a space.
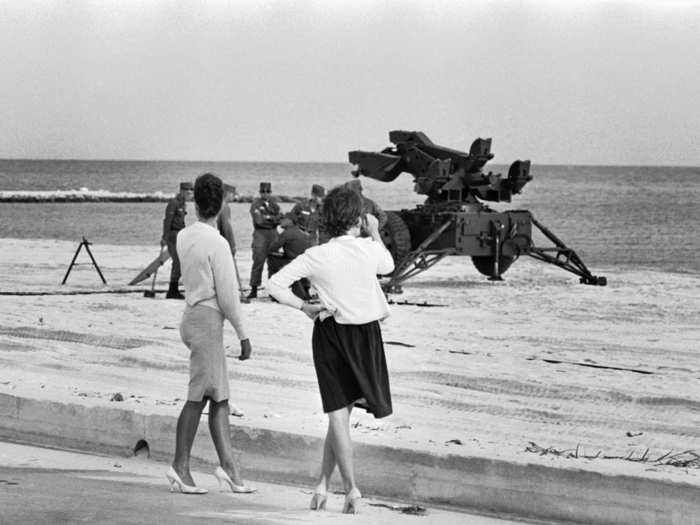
6, 482
424, 304
117, 465
399, 343
455, 441
558, 362
117, 397
235, 411
41, 320
416, 510
459, 352
686, 459
633, 434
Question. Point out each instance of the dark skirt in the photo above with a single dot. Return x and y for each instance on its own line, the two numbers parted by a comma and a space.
350, 365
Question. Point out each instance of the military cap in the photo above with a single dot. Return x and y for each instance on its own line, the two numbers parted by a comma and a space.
186, 186
318, 190
265, 186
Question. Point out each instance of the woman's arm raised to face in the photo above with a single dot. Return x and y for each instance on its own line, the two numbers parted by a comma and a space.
385, 262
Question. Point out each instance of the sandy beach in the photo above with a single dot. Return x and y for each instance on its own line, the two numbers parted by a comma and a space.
537, 358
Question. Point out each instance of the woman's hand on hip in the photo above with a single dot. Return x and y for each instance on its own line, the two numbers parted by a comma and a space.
312, 310
246, 350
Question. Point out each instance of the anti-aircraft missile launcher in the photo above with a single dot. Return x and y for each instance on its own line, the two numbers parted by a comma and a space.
454, 219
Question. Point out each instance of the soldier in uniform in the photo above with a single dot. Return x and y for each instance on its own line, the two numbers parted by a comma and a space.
308, 212
293, 241
174, 221
368, 205
223, 222
266, 216
225, 225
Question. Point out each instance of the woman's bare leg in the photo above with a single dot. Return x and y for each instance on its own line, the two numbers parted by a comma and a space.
339, 432
328, 463
186, 429
221, 435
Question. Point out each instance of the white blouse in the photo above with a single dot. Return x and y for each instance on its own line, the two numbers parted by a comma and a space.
208, 273
344, 273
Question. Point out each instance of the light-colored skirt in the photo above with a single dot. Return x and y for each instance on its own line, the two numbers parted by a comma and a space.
202, 331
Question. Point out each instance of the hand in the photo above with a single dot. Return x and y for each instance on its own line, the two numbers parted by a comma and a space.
311, 310
371, 223
246, 350
371, 226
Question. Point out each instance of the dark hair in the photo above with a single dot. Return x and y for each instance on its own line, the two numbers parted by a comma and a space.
341, 210
208, 195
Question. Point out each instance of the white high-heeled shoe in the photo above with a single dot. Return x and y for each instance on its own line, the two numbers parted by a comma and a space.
352, 502
175, 481
319, 498
224, 478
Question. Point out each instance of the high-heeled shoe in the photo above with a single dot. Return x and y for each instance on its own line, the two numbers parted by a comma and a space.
352, 502
318, 500
175, 481
224, 478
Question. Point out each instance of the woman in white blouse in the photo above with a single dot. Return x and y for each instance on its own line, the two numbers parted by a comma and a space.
211, 295
347, 342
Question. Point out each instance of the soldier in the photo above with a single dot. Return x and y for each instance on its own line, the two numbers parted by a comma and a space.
368, 205
307, 213
174, 221
292, 242
223, 222
266, 216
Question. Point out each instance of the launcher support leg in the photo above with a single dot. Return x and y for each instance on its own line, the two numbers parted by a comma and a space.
496, 230
417, 261
564, 257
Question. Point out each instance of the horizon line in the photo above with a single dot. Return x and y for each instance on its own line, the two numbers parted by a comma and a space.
551, 164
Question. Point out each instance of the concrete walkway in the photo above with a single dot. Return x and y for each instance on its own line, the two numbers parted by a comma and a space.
487, 486
43, 486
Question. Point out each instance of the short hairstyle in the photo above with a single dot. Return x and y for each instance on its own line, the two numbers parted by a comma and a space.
355, 185
342, 208
208, 195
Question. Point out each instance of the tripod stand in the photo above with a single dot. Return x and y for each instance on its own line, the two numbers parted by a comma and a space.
87, 244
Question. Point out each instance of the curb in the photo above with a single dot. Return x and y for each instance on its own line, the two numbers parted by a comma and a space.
476, 484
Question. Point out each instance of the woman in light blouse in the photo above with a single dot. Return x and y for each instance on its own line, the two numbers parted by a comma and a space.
211, 295
347, 342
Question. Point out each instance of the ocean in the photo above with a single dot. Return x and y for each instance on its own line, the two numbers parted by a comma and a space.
626, 217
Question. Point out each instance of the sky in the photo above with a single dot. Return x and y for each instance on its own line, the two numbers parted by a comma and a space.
565, 82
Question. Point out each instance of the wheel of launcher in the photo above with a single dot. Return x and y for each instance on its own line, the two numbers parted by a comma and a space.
396, 236
484, 263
